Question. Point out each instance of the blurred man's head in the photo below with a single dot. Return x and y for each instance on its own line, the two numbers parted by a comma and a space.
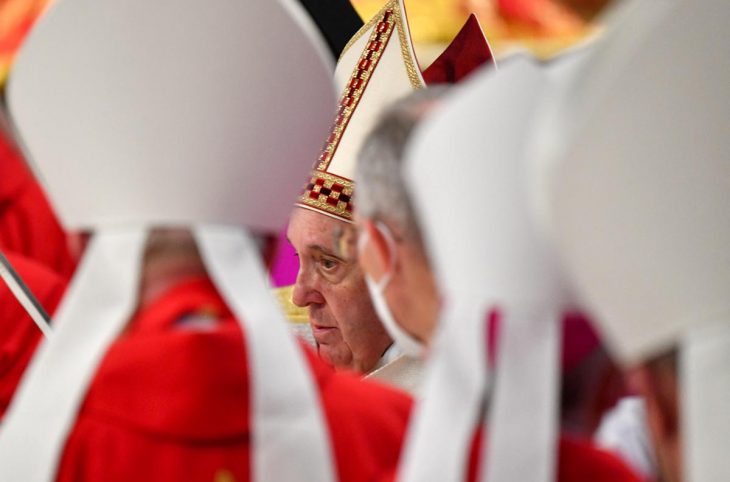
392, 253
330, 284
171, 256
394, 257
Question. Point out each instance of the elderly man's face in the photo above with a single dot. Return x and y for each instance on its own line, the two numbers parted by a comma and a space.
331, 285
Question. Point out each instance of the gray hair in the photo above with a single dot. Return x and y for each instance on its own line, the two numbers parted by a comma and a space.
381, 191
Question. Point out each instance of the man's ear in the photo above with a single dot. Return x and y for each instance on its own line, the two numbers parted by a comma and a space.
380, 257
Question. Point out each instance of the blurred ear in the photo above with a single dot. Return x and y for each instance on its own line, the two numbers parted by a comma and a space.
377, 256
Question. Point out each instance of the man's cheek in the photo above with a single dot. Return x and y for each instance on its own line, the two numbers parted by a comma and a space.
323, 351
337, 355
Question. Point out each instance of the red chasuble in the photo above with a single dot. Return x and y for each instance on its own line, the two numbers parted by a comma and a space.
19, 334
28, 225
578, 461
169, 402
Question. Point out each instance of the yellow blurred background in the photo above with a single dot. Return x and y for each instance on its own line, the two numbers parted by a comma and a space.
544, 27
16, 18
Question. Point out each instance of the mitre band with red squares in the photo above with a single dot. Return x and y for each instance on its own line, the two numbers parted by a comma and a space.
377, 67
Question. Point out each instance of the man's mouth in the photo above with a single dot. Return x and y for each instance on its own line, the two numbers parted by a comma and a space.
322, 332
321, 329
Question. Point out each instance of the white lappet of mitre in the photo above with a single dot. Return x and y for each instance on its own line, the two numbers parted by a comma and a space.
639, 208
137, 114
469, 175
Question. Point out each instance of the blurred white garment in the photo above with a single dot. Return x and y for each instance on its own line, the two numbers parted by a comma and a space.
404, 372
623, 431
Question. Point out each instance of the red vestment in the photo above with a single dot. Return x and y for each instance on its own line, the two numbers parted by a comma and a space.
28, 225
578, 461
19, 334
170, 401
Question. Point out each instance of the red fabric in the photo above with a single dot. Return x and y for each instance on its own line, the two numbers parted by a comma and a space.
468, 51
171, 403
19, 334
578, 461
28, 225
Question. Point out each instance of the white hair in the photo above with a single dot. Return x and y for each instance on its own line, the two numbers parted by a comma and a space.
381, 192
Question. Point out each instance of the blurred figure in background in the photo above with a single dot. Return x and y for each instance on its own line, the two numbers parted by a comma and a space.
402, 284
652, 263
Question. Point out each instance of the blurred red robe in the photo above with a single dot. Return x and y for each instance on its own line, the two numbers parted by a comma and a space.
28, 225
169, 402
19, 334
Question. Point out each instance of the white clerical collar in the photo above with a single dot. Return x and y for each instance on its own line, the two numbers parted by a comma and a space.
389, 356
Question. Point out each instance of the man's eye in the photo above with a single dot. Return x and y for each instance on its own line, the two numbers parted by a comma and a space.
328, 264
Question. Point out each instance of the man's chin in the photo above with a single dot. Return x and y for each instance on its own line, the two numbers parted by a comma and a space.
333, 360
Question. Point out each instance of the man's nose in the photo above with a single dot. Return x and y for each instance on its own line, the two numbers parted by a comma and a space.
305, 292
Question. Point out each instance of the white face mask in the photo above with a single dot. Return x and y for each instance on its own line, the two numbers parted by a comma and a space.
402, 339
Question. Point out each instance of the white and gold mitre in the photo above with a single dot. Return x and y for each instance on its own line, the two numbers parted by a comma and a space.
377, 67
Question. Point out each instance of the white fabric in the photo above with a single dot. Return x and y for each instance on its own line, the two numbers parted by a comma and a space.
236, 85
648, 166
495, 253
405, 373
290, 437
97, 306
405, 342
388, 82
402, 339
19, 292
527, 371
705, 377
624, 431
499, 258
577, 77
454, 390
653, 189
389, 356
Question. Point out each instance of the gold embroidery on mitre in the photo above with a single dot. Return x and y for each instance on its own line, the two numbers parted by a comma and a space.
414, 73
328, 192
412, 69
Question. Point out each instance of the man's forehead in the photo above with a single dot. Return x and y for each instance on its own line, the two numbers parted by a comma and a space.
312, 230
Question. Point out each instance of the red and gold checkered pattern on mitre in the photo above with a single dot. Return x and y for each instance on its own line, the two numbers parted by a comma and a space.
377, 67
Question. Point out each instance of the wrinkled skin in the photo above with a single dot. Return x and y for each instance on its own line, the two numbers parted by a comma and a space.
330, 284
